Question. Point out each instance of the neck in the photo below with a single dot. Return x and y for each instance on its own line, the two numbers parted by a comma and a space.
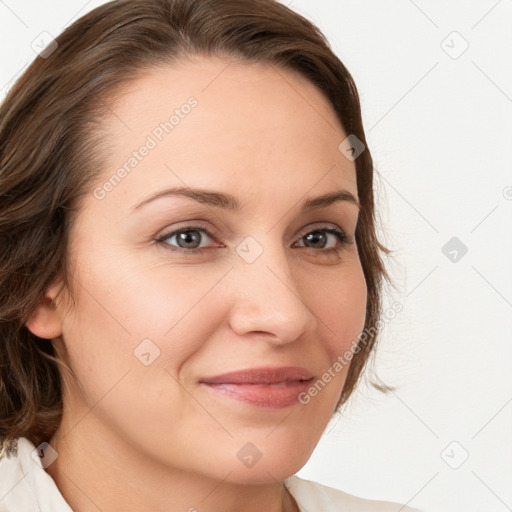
97, 470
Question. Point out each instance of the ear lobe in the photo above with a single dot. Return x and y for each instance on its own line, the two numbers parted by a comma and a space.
46, 322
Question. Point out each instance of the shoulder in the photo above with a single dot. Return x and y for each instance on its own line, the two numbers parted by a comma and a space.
24, 485
11, 471
15, 491
321, 498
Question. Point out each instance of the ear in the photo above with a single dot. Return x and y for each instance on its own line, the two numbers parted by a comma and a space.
46, 321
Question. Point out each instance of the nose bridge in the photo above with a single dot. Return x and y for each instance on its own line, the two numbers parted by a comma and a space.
268, 298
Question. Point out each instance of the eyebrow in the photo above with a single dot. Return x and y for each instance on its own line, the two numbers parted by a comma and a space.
229, 202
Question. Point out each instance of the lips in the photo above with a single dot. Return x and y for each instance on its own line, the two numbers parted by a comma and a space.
261, 376
269, 388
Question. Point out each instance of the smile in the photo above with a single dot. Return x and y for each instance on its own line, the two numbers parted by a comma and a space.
270, 388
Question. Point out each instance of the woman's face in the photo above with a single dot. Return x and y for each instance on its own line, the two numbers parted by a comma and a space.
239, 288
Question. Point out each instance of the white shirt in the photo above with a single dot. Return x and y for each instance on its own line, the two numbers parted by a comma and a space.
25, 486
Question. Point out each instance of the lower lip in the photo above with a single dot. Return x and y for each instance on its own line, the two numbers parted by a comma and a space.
263, 395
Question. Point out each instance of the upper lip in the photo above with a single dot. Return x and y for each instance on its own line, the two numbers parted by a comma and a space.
262, 375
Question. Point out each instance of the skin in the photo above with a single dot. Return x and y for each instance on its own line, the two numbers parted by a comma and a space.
151, 438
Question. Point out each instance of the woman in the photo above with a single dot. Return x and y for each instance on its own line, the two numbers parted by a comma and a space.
190, 275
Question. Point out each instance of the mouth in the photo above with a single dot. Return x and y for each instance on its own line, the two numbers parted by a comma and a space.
269, 388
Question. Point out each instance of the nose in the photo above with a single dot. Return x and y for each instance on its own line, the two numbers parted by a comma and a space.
268, 302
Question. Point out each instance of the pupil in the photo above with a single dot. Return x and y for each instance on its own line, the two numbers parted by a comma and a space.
187, 238
315, 236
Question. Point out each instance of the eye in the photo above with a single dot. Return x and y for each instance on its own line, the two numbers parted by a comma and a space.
319, 239
189, 240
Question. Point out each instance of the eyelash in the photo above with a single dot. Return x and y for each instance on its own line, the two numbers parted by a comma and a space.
342, 237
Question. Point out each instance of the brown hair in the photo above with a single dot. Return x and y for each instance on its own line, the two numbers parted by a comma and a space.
51, 149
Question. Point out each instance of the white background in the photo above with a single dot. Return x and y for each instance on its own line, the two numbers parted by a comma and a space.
439, 129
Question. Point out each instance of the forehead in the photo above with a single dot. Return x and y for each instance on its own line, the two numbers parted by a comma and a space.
211, 120
236, 83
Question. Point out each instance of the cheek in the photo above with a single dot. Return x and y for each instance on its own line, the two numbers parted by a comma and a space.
127, 316
341, 306
174, 307
120, 303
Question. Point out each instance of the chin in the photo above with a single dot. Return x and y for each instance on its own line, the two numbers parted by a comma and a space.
265, 465
264, 474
